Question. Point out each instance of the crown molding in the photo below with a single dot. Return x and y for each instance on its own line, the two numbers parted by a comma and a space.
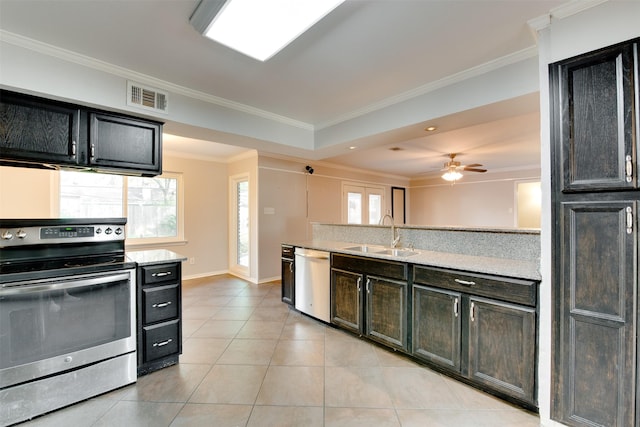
563, 11
96, 64
478, 70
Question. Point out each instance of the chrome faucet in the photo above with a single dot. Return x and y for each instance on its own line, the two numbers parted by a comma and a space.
395, 237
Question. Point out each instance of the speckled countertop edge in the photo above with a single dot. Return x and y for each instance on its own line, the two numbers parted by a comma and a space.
488, 265
154, 256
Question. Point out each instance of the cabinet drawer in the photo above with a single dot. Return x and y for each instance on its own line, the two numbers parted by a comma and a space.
160, 303
376, 267
161, 273
161, 340
518, 291
287, 252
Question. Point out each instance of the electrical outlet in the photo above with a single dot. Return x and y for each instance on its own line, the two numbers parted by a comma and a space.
192, 261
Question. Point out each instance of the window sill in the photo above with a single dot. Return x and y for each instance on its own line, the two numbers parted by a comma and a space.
159, 244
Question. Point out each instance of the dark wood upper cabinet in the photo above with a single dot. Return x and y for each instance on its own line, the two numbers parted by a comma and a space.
594, 120
125, 143
39, 132
33, 130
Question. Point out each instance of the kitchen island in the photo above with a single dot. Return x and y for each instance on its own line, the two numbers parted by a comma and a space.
462, 301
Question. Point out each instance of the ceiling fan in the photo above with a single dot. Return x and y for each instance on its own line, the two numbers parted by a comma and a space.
452, 168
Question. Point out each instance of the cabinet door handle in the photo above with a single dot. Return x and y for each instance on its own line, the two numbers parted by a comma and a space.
629, 211
291, 267
163, 343
359, 283
471, 312
368, 286
73, 148
455, 307
161, 274
464, 282
161, 304
93, 150
629, 168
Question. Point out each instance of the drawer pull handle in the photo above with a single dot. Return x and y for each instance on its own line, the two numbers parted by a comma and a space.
161, 274
161, 304
163, 343
464, 282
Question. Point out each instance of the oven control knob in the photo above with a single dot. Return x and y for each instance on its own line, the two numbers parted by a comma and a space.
98, 230
68, 359
21, 234
6, 235
108, 230
118, 231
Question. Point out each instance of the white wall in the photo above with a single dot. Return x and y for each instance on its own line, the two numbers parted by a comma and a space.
486, 200
32, 193
287, 190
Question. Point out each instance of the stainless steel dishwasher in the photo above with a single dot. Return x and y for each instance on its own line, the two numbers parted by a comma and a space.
313, 283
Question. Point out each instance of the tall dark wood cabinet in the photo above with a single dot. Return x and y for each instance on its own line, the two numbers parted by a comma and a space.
595, 136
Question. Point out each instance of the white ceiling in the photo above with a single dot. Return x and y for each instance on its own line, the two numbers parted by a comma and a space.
363, 53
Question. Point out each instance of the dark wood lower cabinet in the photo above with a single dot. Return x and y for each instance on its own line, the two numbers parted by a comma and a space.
477, 328
159, 315
371, 305
386, 313
288, 279
502, 351
346, 307
488, 342
437, 326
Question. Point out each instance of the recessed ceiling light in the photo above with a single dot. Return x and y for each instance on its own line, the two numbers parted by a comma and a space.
430, 128
259, 28
353, 147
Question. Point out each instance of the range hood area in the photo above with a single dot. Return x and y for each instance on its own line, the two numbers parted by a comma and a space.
47, 134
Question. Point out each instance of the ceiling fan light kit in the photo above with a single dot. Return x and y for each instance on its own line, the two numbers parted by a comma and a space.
452, 175
452, 168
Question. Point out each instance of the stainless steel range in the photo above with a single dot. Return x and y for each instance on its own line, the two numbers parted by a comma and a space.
67, 313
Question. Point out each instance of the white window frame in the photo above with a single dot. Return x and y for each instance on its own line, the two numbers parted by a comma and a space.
178, 239
241, 270
365, 191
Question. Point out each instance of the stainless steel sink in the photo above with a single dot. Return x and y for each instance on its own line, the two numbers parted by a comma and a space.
364, 248
398, 252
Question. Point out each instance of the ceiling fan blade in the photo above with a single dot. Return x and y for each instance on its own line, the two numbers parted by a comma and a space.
473, 165
468, 169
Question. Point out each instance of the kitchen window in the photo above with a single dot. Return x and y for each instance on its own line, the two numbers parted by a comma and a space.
152, 206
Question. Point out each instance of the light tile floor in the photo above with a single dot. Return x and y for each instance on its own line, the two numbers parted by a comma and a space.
249, 360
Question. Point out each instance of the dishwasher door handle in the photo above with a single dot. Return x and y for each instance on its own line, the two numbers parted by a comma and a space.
313, 256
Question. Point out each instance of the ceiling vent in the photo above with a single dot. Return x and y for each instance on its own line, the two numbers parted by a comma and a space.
146, 97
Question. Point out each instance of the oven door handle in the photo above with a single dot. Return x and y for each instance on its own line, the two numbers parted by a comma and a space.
25, 288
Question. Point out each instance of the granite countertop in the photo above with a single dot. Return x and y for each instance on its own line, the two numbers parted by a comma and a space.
154, 256
489, 265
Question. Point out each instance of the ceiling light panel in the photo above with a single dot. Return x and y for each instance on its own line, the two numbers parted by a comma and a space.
260, 29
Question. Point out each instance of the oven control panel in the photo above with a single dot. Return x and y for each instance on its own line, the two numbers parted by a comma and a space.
60, 234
